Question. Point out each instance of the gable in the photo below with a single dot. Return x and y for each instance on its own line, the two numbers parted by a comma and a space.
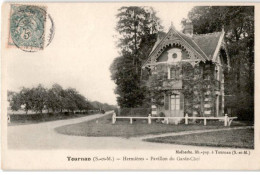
199, 47
174, 38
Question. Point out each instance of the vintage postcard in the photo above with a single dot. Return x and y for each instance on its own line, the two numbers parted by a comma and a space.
130, 86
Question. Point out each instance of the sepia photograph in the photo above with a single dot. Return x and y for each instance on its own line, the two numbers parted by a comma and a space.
102, 82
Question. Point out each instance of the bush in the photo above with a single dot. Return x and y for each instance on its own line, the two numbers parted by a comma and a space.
34, 118
161, 114
116, 111
23, 118
143, 112
245, 114
67, 113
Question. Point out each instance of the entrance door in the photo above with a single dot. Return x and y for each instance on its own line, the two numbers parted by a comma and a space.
176, 104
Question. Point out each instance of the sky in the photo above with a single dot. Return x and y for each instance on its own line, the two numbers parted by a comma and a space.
82, 49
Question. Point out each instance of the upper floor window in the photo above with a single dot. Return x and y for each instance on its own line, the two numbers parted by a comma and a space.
173, 73
174, 55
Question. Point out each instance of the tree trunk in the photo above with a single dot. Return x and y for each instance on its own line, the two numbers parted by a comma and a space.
238, 76
251, 70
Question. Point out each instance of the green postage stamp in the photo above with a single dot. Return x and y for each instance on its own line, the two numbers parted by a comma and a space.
27, 27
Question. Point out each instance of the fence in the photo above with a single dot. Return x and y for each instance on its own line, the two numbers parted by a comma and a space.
227, 120
139, 112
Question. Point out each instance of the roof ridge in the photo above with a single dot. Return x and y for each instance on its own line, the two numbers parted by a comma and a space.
206, 34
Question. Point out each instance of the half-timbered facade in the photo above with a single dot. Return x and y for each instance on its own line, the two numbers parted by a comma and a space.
187, 73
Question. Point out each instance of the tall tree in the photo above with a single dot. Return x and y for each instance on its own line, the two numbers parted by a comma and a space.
135, 25
129, 89
134, 22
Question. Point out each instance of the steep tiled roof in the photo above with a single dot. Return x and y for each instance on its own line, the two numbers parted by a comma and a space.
204, 44
193, 44
208, 42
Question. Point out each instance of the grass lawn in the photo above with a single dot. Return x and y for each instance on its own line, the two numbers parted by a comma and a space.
241, 138
23, 119
103, 127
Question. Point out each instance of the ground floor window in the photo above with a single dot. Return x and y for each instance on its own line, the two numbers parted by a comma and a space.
175, 102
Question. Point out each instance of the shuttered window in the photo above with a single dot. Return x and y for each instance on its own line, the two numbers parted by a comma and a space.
181, 101
166, 102
220, 105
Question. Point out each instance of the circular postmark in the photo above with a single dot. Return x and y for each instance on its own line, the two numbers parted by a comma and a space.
31, 29
50, 30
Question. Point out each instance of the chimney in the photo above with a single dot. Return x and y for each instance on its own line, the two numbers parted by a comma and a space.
188, 28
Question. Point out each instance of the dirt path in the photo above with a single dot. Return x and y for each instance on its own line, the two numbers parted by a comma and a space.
43, 136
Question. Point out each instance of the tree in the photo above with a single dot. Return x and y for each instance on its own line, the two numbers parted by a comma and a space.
81, 102
135, 26
39, 98
26, 99
14, 100
238, 23
96, 105
134, 23
69, 99
100, 106
128, 83
55, 98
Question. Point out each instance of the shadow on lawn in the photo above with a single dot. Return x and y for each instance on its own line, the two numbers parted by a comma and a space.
240, 138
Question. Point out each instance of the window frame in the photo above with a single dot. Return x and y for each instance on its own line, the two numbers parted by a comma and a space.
175, 100
177, 73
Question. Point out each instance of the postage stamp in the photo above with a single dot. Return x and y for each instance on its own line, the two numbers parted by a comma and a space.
27, 27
